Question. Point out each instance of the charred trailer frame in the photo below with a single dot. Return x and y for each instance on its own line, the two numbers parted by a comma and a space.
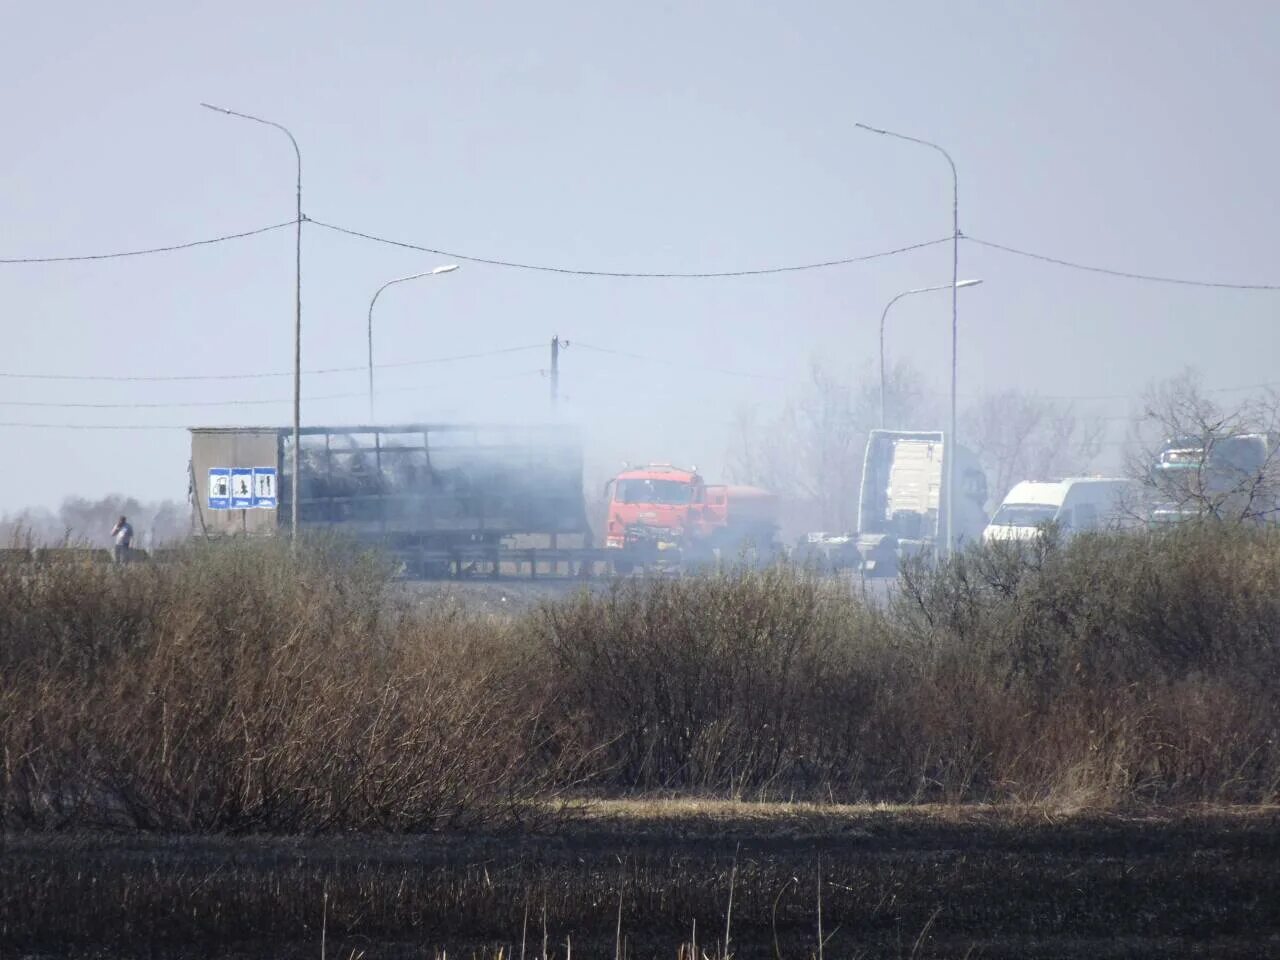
434, 495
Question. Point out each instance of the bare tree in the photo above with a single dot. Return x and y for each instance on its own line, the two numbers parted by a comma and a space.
1198, 458
1020, 437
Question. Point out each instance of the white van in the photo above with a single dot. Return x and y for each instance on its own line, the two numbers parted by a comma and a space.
1073, 504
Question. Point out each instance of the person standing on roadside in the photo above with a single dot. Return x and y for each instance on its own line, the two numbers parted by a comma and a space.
123, 534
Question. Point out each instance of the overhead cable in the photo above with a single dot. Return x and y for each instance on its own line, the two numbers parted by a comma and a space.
1125, 274
75, 405
677, 363
634, 274
631, 274
140, 253
72, 405
108, 378
1239, 388
91, 426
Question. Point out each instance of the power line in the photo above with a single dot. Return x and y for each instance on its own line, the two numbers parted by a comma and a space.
185, 426
1240, 388
1121, 273
69, 405
141, 253
676, 363
105, 378
75, 405
818, 265
91, 426
970, 396
630, 274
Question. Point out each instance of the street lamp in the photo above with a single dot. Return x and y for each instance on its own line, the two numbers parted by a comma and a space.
955, 326
297, 319
447, 268
907, 293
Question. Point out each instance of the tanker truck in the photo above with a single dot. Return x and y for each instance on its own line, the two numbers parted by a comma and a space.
902, 504
662, 517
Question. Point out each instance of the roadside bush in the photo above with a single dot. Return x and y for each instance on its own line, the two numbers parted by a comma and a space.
245, 688
1144, 664
736, 681
1110, 669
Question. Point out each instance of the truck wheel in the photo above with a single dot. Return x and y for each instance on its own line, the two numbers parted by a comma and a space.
623, 567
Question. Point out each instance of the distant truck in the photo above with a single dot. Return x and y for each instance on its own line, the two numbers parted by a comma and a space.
1073, 505
436, 496
666, 516
902, 503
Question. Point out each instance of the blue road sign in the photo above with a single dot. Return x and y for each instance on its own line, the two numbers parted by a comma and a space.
265, 494
241, 488
219, 488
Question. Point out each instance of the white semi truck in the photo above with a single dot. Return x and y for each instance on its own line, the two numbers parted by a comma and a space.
902, 503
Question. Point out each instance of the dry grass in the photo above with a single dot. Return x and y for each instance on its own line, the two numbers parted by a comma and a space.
244, 689
1108, 672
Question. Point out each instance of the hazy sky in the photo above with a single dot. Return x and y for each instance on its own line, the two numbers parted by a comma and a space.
635, 137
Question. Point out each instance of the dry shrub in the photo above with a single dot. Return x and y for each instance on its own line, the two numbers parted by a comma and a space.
243, 688
1140, 667
1111, 669
737, 681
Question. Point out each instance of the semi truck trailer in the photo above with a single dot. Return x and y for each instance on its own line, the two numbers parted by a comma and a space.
433, 495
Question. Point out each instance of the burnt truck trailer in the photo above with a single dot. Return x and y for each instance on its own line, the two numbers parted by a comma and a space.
443, 498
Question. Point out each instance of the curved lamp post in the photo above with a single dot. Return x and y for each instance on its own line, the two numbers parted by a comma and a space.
447, 268
885, 314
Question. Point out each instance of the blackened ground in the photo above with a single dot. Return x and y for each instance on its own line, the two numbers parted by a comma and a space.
925, 882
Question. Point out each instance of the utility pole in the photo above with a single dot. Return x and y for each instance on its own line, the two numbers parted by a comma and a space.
556, 345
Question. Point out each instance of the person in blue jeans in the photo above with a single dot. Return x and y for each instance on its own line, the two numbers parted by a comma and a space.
123, 534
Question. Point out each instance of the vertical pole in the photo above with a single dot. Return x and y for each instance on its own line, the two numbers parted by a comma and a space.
297, 358
555, 373
555, 402
882, 376
372, 421
883, 316
950, 450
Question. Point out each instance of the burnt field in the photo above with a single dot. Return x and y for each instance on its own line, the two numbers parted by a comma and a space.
929, 882
1041, 751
